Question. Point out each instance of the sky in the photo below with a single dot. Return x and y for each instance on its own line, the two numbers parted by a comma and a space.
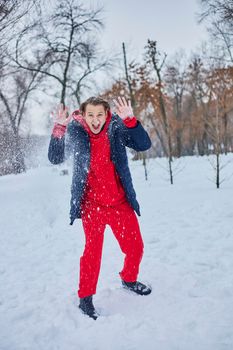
172, 23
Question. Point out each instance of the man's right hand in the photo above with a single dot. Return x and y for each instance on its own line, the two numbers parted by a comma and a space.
61, 115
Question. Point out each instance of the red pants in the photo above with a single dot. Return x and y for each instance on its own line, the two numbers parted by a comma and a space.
125, 227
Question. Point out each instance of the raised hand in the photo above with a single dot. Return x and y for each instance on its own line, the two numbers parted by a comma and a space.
123, 108
61, 115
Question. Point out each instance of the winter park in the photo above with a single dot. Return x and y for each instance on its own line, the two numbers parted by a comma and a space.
116, 175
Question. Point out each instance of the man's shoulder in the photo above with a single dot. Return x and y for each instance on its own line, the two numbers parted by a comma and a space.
75, 125
116, 120
115, 117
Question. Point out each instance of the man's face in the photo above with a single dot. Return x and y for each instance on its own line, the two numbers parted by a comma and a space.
95, 117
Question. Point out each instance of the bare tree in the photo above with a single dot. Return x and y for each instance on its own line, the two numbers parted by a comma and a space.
64, 50
92, 62
220, 84
13, 103
11, 11
153, 58
128, 78
219, 17
139, 155
222, 8
15, 88
176, 84
199, 95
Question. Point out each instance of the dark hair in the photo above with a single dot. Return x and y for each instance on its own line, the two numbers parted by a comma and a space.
95, 101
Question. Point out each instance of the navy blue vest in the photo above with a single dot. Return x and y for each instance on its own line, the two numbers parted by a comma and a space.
77, 143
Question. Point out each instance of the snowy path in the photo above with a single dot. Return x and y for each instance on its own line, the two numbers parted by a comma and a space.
188, 260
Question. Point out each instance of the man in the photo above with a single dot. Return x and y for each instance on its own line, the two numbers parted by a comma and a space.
102, 192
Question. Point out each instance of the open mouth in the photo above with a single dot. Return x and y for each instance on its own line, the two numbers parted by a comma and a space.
96, 127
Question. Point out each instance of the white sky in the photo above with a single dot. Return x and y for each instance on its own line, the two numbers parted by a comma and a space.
173, 23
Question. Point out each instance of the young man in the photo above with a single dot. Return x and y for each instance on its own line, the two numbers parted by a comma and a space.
102, 192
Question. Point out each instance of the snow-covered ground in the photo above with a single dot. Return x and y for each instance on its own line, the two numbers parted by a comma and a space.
188, 260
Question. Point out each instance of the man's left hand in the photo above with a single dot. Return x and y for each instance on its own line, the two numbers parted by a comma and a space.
123, 108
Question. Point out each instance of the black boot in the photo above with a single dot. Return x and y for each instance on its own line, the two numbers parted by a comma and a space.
87, 307
137, 287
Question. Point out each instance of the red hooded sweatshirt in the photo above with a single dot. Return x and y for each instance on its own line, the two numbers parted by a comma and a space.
103, 184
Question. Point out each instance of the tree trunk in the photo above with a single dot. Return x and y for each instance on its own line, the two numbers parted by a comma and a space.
170, 170
145, 166
178, 143
133, 102
217, 171
225, 137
